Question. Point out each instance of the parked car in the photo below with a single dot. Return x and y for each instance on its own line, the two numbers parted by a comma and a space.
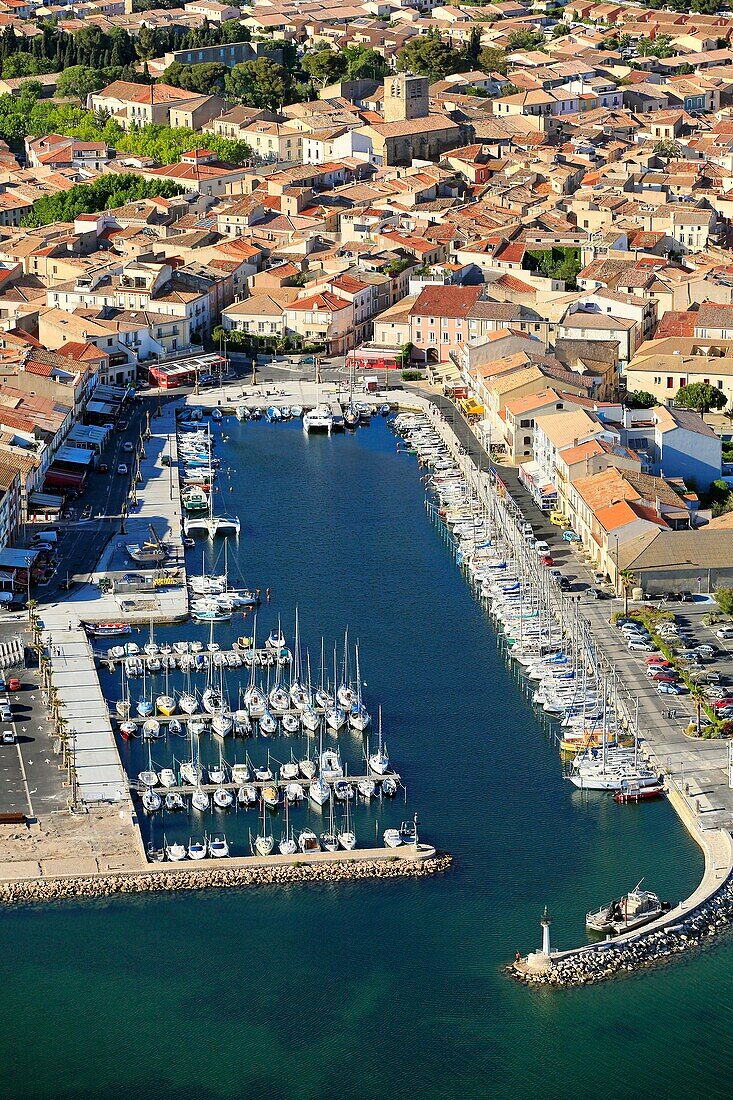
547, 559
664, 676
570, 536
669, 689
657, 667
103, 467
687, 597
564, 584
597, 594
725, 632
541, 546
13, 684
123, 425
128, 447
638, 645
7, 737
557, 519
122, 468
706, 650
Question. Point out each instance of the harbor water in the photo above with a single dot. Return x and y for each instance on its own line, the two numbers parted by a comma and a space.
380, 988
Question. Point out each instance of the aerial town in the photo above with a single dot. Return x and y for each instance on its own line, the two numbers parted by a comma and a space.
366, 379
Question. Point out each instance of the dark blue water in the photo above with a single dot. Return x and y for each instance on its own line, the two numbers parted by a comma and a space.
381, 988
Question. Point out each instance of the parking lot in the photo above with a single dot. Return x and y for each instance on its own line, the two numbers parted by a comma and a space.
30, 780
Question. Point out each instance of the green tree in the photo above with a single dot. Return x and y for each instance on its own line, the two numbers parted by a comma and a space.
493, 60
232, 30
524, 40
641, 399
661, 46
668, 148
205, 79
80, 81
724, 596
700, 396
324, 66
260, 83
104, 193
430, 56
364, 64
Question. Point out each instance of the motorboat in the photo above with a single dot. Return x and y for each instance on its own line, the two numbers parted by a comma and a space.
342, 790
216, 773
329, 764
367, 788
108, 630
294, 792
308, 842
218, 847
128, 730
318, 419
240, 773
392, 838
167, 777
151, 729
271, 797
223, 798
175, 852
389, 787
633, 910
151, 801
247, 795
196, 849
173, 802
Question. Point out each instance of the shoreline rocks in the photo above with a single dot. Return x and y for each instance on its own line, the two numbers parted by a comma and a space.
611, 959
215, 877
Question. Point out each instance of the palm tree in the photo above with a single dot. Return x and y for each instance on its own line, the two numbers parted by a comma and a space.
628, 580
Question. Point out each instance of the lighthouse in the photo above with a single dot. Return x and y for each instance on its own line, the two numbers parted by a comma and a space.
546, 922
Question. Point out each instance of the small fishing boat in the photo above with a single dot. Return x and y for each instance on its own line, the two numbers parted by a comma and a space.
392, 838
635, 909
175, 852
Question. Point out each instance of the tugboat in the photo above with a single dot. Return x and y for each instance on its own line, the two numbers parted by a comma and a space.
637, 908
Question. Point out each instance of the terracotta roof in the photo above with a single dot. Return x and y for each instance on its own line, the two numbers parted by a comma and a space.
446, 301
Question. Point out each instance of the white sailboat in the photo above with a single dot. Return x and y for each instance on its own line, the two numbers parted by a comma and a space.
149, 777
359, 716
335, 713
347, 838
379, 761
287, 845
264, 842
330, 840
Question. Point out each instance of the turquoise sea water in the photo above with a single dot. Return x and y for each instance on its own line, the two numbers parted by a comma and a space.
378, 989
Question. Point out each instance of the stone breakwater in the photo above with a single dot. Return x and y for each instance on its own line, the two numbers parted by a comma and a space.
213, 877
608, 960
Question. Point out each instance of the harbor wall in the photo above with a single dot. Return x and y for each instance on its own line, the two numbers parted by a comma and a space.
238, 873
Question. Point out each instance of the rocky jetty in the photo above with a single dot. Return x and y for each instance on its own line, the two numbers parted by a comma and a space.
610, 959
216, 876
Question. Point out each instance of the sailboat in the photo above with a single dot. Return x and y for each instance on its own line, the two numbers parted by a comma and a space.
299, 697
151, 801
254, 701
308, 716
335, 713
191, 769
379, 761
308, 842
345, 693
287, 845
330, 840
347, 838
264, 842
359, 716
165, 703
144, 705
122, 706
149, 777
318, 789
323, 699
